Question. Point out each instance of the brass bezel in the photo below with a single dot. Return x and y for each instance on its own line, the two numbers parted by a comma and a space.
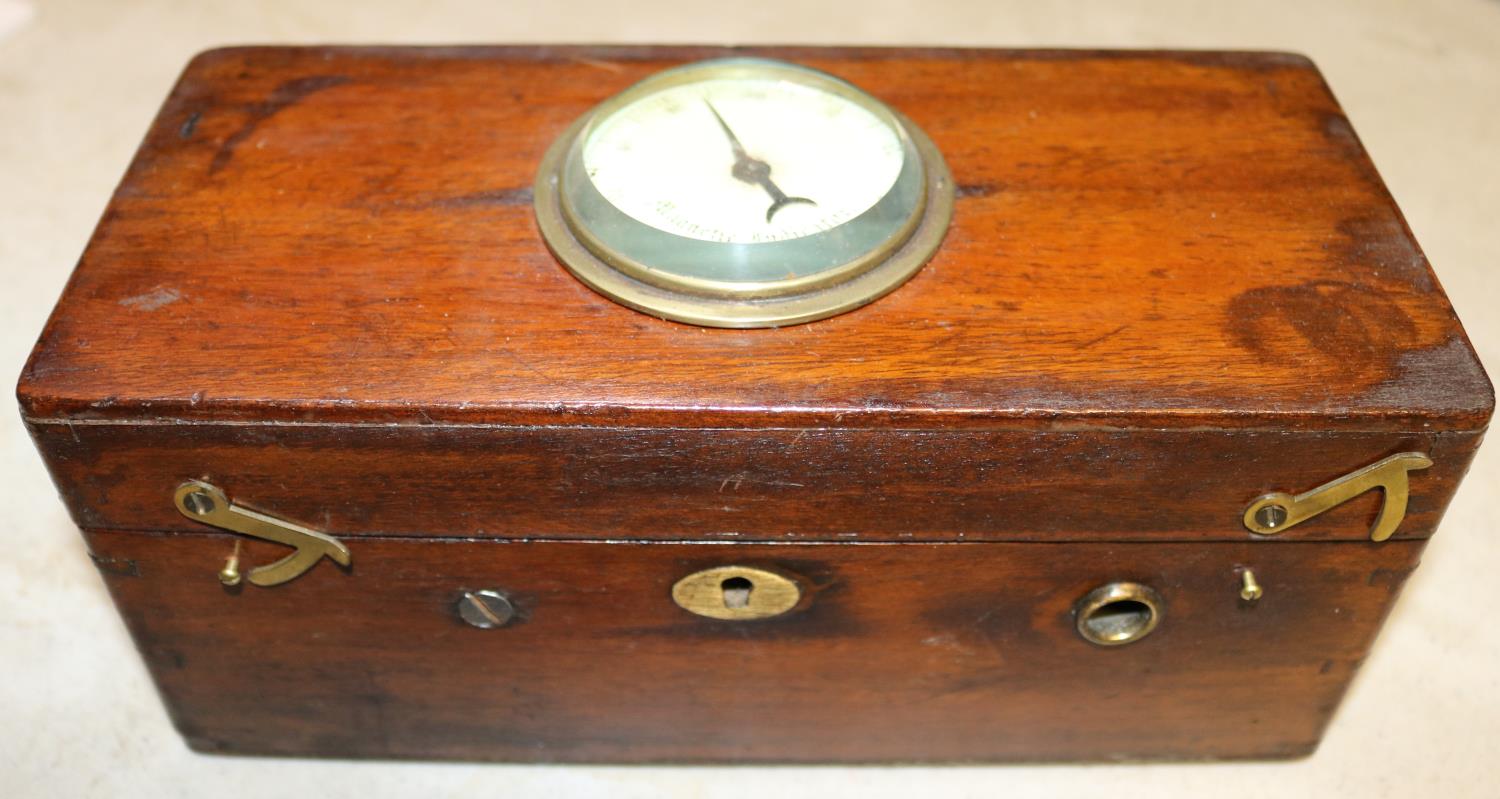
808, 298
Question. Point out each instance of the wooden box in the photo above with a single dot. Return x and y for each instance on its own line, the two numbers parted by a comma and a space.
1173, 283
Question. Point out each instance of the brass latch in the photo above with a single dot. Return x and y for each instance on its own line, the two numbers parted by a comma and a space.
1273, 513
205, 503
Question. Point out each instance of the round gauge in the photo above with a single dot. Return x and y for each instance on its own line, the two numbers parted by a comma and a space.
743, 193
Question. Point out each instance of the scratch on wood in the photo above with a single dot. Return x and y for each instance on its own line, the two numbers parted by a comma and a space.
517, 359
156, 298
1099, 339
125, 567
608, 66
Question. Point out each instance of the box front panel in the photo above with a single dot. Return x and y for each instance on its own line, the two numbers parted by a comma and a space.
893, 652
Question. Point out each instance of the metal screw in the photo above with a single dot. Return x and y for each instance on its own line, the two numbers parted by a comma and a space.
1271, 516
1250, 589
199, 502
486, 609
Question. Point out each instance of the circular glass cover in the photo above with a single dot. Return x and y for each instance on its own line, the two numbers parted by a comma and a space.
735, 181
743, 160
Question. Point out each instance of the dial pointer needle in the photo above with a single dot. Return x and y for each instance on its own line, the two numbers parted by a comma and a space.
734, 141
752, 170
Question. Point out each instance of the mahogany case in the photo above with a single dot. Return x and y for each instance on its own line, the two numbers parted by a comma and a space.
1173, 283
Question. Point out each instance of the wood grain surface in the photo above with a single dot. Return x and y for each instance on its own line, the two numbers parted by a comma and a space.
904, 652
738, 485
1140, 239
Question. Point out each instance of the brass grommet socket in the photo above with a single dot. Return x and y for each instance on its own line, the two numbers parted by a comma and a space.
1118, 613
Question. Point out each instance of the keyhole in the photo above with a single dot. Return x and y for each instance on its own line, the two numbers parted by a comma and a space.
737, 592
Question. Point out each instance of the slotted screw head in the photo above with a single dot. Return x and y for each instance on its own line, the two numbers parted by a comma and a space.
486, 609
1271, 516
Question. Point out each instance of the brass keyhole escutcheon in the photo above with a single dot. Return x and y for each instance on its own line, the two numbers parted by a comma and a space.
737, 593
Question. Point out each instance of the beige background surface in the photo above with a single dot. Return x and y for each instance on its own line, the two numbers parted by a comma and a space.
80, 81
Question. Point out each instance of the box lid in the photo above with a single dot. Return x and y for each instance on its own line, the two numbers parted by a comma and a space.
1140, 238
1141, 241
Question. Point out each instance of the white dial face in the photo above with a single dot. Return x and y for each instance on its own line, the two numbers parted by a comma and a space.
743, 161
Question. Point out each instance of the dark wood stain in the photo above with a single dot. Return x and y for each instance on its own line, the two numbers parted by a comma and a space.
189, 125
482, 198
282, 97
1325, 326
969, 190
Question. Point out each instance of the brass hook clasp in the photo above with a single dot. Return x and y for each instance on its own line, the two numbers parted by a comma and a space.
203, 502
1272, 513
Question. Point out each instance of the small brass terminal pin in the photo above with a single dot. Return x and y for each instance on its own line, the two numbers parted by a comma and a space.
1250, 589
230, 574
